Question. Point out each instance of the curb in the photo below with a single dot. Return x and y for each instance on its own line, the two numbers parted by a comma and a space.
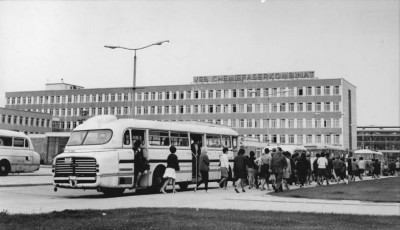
24, 185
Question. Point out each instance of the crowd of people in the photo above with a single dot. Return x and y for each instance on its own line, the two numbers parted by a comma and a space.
274, 168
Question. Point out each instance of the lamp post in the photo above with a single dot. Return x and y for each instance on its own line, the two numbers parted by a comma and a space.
134, 63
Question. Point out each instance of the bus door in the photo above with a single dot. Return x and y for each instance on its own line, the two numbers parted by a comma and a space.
196, 141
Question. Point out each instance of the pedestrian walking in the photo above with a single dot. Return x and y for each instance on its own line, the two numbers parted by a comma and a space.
251, 169
224, 166
322, 164
377, 169
361, 167
354, 168
170, 171
278, 163
338, 166
302, 167
264, 163
204, 167
141, 163
287, 171
239, 169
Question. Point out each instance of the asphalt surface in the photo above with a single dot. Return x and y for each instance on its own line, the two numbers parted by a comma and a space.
215, 199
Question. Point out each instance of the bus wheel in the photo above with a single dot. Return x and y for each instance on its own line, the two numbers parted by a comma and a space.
183, 186
113, 191
4, 168
158, 179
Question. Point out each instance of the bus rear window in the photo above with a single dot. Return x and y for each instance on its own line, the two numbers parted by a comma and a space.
91, 137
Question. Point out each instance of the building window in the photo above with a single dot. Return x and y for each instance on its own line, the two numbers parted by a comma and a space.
174, 95
159, 95
256, 123
258, 108
327, 123
241, 108
291, 107
336, 90
291, 139
318, 107
327, 106
300, 139
241, 93
249, 123
317, 123
234, 93
188, 94
210, 108
309, 139
282, 123
188, 109
265, 123
196, 94
153, 96
226, 110
203, 94
233, 123
241, 123
167, 95
274, 108
173, 109
336, 123
309, 91
273, 123
195, 109
300, 91
336, 106
291, 123
327, 90
300, 107
318, 139
283, 107
266, 108
308, 123
266, 92
234, 110
100, 98
309, 107
211, 94
337, 140
166, 110
249, 108
318, 90
300, 123
327, 139
218, 109
258, 92
119, 96
203, 109
282, 139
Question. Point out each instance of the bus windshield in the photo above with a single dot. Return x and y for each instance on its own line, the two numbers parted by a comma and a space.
91, 137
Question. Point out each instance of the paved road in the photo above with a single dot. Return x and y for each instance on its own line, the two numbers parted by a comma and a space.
42, 199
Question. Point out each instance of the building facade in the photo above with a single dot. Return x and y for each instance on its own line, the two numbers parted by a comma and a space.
28, 122
285, 108
385, 139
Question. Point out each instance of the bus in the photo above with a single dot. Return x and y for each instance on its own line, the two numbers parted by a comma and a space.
292, 149
16, 153
99, 154
368, 156
332, 150
252, 144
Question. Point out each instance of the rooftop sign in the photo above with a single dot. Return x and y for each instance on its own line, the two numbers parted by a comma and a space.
254, 77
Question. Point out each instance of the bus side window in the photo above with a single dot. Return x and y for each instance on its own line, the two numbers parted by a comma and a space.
127, 140
26, 143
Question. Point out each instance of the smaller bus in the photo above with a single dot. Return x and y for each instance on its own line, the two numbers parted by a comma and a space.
99, 153
368, 156
16, 153
252, 144
292, 149
332, 150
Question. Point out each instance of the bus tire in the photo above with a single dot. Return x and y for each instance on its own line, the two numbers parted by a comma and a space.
112, 191
183, 186
5, 167
158, 179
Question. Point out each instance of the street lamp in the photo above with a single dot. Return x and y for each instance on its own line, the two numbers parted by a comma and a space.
134, 62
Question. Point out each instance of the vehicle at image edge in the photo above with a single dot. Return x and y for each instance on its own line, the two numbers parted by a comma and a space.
99, 153
16, 153
368, 156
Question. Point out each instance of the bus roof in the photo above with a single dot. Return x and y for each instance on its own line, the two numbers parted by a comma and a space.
10, 133
112, 122
367, 151
323, 146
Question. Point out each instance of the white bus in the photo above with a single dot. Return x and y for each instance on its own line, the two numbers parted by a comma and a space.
252, 144
99, 153
16, 153
292, 149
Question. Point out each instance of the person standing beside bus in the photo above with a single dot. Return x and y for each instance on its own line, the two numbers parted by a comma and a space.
322, 165
170, 172
141, 164
302, 167
224, 161
204, 167
239, 170
251, 169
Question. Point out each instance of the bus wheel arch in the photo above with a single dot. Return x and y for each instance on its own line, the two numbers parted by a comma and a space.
158, 179
5, 167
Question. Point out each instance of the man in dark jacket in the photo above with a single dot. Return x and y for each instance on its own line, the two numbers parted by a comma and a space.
278, 163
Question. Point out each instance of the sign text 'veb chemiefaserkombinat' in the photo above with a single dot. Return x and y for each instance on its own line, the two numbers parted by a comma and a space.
253, 77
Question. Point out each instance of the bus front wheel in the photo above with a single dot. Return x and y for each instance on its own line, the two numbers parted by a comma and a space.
113, 191
4, 168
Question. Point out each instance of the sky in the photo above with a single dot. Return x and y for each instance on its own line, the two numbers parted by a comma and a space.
358, 40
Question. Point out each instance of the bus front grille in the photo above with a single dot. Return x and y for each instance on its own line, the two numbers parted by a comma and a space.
75, 166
